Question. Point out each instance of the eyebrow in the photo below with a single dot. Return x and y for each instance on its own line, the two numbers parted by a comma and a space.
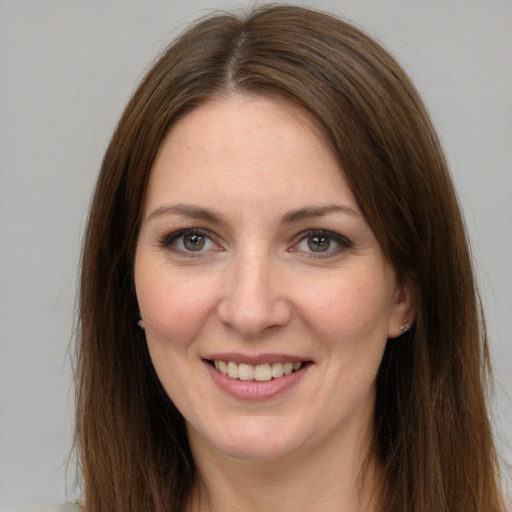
189, 210
317, 211
293, 216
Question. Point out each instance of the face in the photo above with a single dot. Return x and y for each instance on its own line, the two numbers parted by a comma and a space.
265, 297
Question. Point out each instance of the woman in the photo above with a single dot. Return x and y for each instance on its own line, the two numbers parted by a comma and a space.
277, 303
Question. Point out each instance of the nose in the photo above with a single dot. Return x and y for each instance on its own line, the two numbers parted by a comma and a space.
254, 299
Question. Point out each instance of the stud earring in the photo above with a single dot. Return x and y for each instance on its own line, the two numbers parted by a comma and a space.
403, 326
140, 322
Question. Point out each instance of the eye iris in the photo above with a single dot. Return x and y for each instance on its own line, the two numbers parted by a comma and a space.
193, 242
319, 243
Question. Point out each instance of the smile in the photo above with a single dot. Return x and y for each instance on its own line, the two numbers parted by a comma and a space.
260, 372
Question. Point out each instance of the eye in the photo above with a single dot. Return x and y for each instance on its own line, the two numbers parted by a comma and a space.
193, 242
319, 243
189, 241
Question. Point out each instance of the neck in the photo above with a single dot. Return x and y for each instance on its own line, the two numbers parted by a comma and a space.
343, 479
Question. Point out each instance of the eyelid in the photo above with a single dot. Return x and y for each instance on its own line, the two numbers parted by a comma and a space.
167, 240
342, 241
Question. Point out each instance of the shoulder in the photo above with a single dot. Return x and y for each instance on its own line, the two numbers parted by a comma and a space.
64, 507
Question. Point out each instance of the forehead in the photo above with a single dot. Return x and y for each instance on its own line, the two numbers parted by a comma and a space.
249, 148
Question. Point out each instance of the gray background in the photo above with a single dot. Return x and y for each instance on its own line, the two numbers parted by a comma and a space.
66, 70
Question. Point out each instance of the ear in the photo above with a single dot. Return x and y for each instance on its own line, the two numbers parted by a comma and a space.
140, 321
403, 310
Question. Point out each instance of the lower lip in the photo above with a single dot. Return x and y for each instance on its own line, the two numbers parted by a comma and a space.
253, 390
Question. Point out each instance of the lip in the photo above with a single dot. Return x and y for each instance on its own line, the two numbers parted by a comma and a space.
255, 390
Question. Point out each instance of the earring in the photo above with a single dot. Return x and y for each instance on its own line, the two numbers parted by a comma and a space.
140, 322
403, 326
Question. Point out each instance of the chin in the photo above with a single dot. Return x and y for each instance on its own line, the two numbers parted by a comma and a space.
249, 441
257, 451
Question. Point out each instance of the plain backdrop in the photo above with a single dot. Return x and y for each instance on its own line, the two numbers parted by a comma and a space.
66, 70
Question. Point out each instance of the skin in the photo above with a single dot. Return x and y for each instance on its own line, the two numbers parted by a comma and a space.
260, 285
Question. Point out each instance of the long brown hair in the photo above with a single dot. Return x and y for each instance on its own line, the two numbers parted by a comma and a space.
431, 433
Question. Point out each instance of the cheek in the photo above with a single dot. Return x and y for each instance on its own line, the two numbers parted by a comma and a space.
172, 308
355, 306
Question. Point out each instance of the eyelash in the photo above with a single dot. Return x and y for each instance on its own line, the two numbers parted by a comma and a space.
171, 238
343, 243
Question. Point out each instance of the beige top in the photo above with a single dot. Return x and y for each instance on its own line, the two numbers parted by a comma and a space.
64, 507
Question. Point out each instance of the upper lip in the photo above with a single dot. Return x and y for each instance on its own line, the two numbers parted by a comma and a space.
255, 359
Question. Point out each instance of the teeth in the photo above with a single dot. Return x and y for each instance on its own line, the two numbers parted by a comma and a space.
232, 370
277, 370
287, 368
260, 372
245, 372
